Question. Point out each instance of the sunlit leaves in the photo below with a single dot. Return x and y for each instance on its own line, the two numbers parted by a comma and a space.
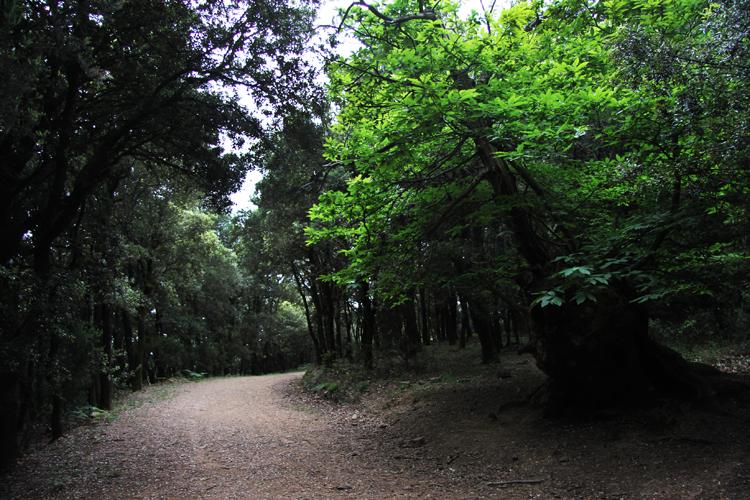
615, 108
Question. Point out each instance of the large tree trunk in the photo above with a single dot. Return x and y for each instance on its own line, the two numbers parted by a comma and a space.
595, 354
601, 355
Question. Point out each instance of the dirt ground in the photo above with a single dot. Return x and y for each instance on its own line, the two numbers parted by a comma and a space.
467, 435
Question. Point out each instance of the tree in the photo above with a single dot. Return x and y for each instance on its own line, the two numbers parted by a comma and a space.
520, 124
91, 87
295, 173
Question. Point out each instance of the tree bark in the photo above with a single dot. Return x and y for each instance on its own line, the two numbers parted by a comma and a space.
328, 313
465, 324
308, 319
409, 344
450, 317
595, 354
368, 323
601, 354
53, 379
439, 323
480, 315
10, 401
424, 311
105, 376
390, 322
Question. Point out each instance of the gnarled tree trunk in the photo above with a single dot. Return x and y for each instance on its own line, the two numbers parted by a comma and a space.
596, 354
601, 355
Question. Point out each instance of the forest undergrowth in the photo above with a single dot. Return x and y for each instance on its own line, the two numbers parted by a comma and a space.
451, 417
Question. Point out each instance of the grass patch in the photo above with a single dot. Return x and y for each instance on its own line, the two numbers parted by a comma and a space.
193, 376
438, 364
126, 401
709, 352
153, 394
91, 413
448, 378
340, 382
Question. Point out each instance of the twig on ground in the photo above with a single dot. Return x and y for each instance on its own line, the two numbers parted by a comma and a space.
512, 482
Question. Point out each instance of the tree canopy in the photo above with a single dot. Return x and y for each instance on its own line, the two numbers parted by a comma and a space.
564, 164
92, 88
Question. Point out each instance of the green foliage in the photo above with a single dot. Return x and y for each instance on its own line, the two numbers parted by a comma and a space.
98, 414
448, 378
339, 382
136, 83
328, 389
193, 376
623, 125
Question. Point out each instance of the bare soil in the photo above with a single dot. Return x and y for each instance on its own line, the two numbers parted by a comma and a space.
467, 435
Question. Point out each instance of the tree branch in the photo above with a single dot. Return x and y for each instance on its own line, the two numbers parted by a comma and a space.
425, 14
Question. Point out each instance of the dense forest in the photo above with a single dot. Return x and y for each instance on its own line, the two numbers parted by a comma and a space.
571, 177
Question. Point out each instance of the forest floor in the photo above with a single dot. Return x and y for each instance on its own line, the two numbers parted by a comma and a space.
457, 430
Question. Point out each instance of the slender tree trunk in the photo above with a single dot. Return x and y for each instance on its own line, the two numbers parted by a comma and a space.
339, 338
105, 376
465, 326
349, 330
390, 322
129, 343
318, 315
508, 325
481, 317
410, 322
139, 352
497, 330
368, 323
308, 319
439, 323
329, 315
10, 402
424, 311
378, 330
53, 377
523, 325
451, 318
410, 338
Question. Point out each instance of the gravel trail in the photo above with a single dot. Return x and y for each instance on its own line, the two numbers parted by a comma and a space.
261, 437
220, 438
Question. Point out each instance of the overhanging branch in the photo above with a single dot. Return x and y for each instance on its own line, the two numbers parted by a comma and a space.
424, 14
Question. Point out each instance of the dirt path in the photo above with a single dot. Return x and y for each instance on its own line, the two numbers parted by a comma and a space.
260, 437
220, 438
